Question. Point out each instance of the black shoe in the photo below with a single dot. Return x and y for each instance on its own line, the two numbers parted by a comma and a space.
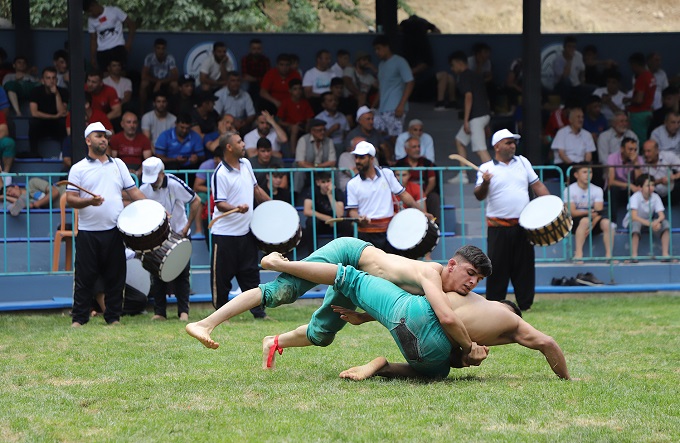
440, 106
588, 279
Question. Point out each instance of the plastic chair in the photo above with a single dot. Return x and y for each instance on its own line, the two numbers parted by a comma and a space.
65, 232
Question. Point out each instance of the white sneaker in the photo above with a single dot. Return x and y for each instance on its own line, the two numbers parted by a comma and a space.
457, 179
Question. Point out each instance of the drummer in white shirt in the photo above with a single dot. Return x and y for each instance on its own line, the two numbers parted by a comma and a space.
369, 197
100, 252
504, 183
171, 192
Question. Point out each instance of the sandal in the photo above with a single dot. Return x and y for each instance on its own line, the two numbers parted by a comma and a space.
272, 350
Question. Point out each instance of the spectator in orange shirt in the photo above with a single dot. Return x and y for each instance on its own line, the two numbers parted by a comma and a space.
274, 88
129, 145
104, 98
294, 113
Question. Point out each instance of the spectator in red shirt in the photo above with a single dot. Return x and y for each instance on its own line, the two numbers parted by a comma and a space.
129, 145
91, 116
640, 105
254, 66
104, 98
295, 112
274, 88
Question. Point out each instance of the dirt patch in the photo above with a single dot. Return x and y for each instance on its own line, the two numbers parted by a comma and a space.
505, 16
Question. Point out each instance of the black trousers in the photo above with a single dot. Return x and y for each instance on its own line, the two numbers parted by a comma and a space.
159, 290
99, 254
39, 128
512, 258
234, 256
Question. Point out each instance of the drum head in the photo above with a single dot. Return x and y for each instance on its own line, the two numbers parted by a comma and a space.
541, 212
138, 277
176, 260
141, 217
275, 222
407, 229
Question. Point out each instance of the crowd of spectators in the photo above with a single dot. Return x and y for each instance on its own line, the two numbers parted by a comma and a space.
313, 118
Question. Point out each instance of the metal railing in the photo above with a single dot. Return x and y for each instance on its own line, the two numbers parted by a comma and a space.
469, 219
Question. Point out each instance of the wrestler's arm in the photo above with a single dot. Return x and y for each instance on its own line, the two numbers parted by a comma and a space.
431, 282
530, 337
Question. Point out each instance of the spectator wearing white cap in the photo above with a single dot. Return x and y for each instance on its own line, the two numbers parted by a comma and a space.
504, 182
171, 192
369, 197
415, 129
100, 251
366, 130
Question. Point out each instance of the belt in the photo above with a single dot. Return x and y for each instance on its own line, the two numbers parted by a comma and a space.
496, 222
376, 225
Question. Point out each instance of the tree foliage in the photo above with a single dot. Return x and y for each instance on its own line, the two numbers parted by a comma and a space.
206, 15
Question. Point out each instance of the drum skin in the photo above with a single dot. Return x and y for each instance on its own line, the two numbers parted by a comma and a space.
546, 220
412, 233
169, 259
276, 227
144, 225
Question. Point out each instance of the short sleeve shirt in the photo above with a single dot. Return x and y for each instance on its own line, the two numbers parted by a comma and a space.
45, 100
393, 74
174, 195
108, 179
320, 81
236, 187
160, 70
373, 197
472, 82
584, 199
130, 151
170, 146
155, 125
575, 145
108, 27
509, 186
105, 99
646, 209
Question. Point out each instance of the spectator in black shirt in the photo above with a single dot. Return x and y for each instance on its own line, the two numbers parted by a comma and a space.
48, 110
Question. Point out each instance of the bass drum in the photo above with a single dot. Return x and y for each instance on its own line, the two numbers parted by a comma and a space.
412, 234
276, 226
170, 259
546, 220
144, 225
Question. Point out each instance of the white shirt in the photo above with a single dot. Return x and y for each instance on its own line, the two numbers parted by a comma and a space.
253, 136
577, 66
426, 146
236, 187
646, 209
661, 84
509, 186
239, 105
108, 27
574, 145
320, 81
373, 197
617, 99
124, 85
583, 198
661, 170
155, 125
174, 195
339, 135
107, 179
211, 67
666, 141
609, 143
337, 70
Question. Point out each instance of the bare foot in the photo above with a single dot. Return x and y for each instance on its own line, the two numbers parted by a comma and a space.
75, 324
158, 317
269, 347
366, 371
270, 261
114, 323
183, 316
202, 334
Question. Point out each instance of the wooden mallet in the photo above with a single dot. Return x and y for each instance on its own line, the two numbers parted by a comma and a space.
231, 211
66, 182
464, 160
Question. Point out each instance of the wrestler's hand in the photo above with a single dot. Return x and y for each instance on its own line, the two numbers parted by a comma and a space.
352, 316
476, 356
271, 261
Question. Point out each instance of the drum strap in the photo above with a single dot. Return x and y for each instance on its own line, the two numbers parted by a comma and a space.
496, 222
376, 225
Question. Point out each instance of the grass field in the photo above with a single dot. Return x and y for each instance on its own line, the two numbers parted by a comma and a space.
150, 382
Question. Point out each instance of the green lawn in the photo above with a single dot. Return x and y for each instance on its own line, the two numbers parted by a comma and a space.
148, 381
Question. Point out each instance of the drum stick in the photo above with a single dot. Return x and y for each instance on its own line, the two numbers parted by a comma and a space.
66, 182
464, 160
231, 211
330, 221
